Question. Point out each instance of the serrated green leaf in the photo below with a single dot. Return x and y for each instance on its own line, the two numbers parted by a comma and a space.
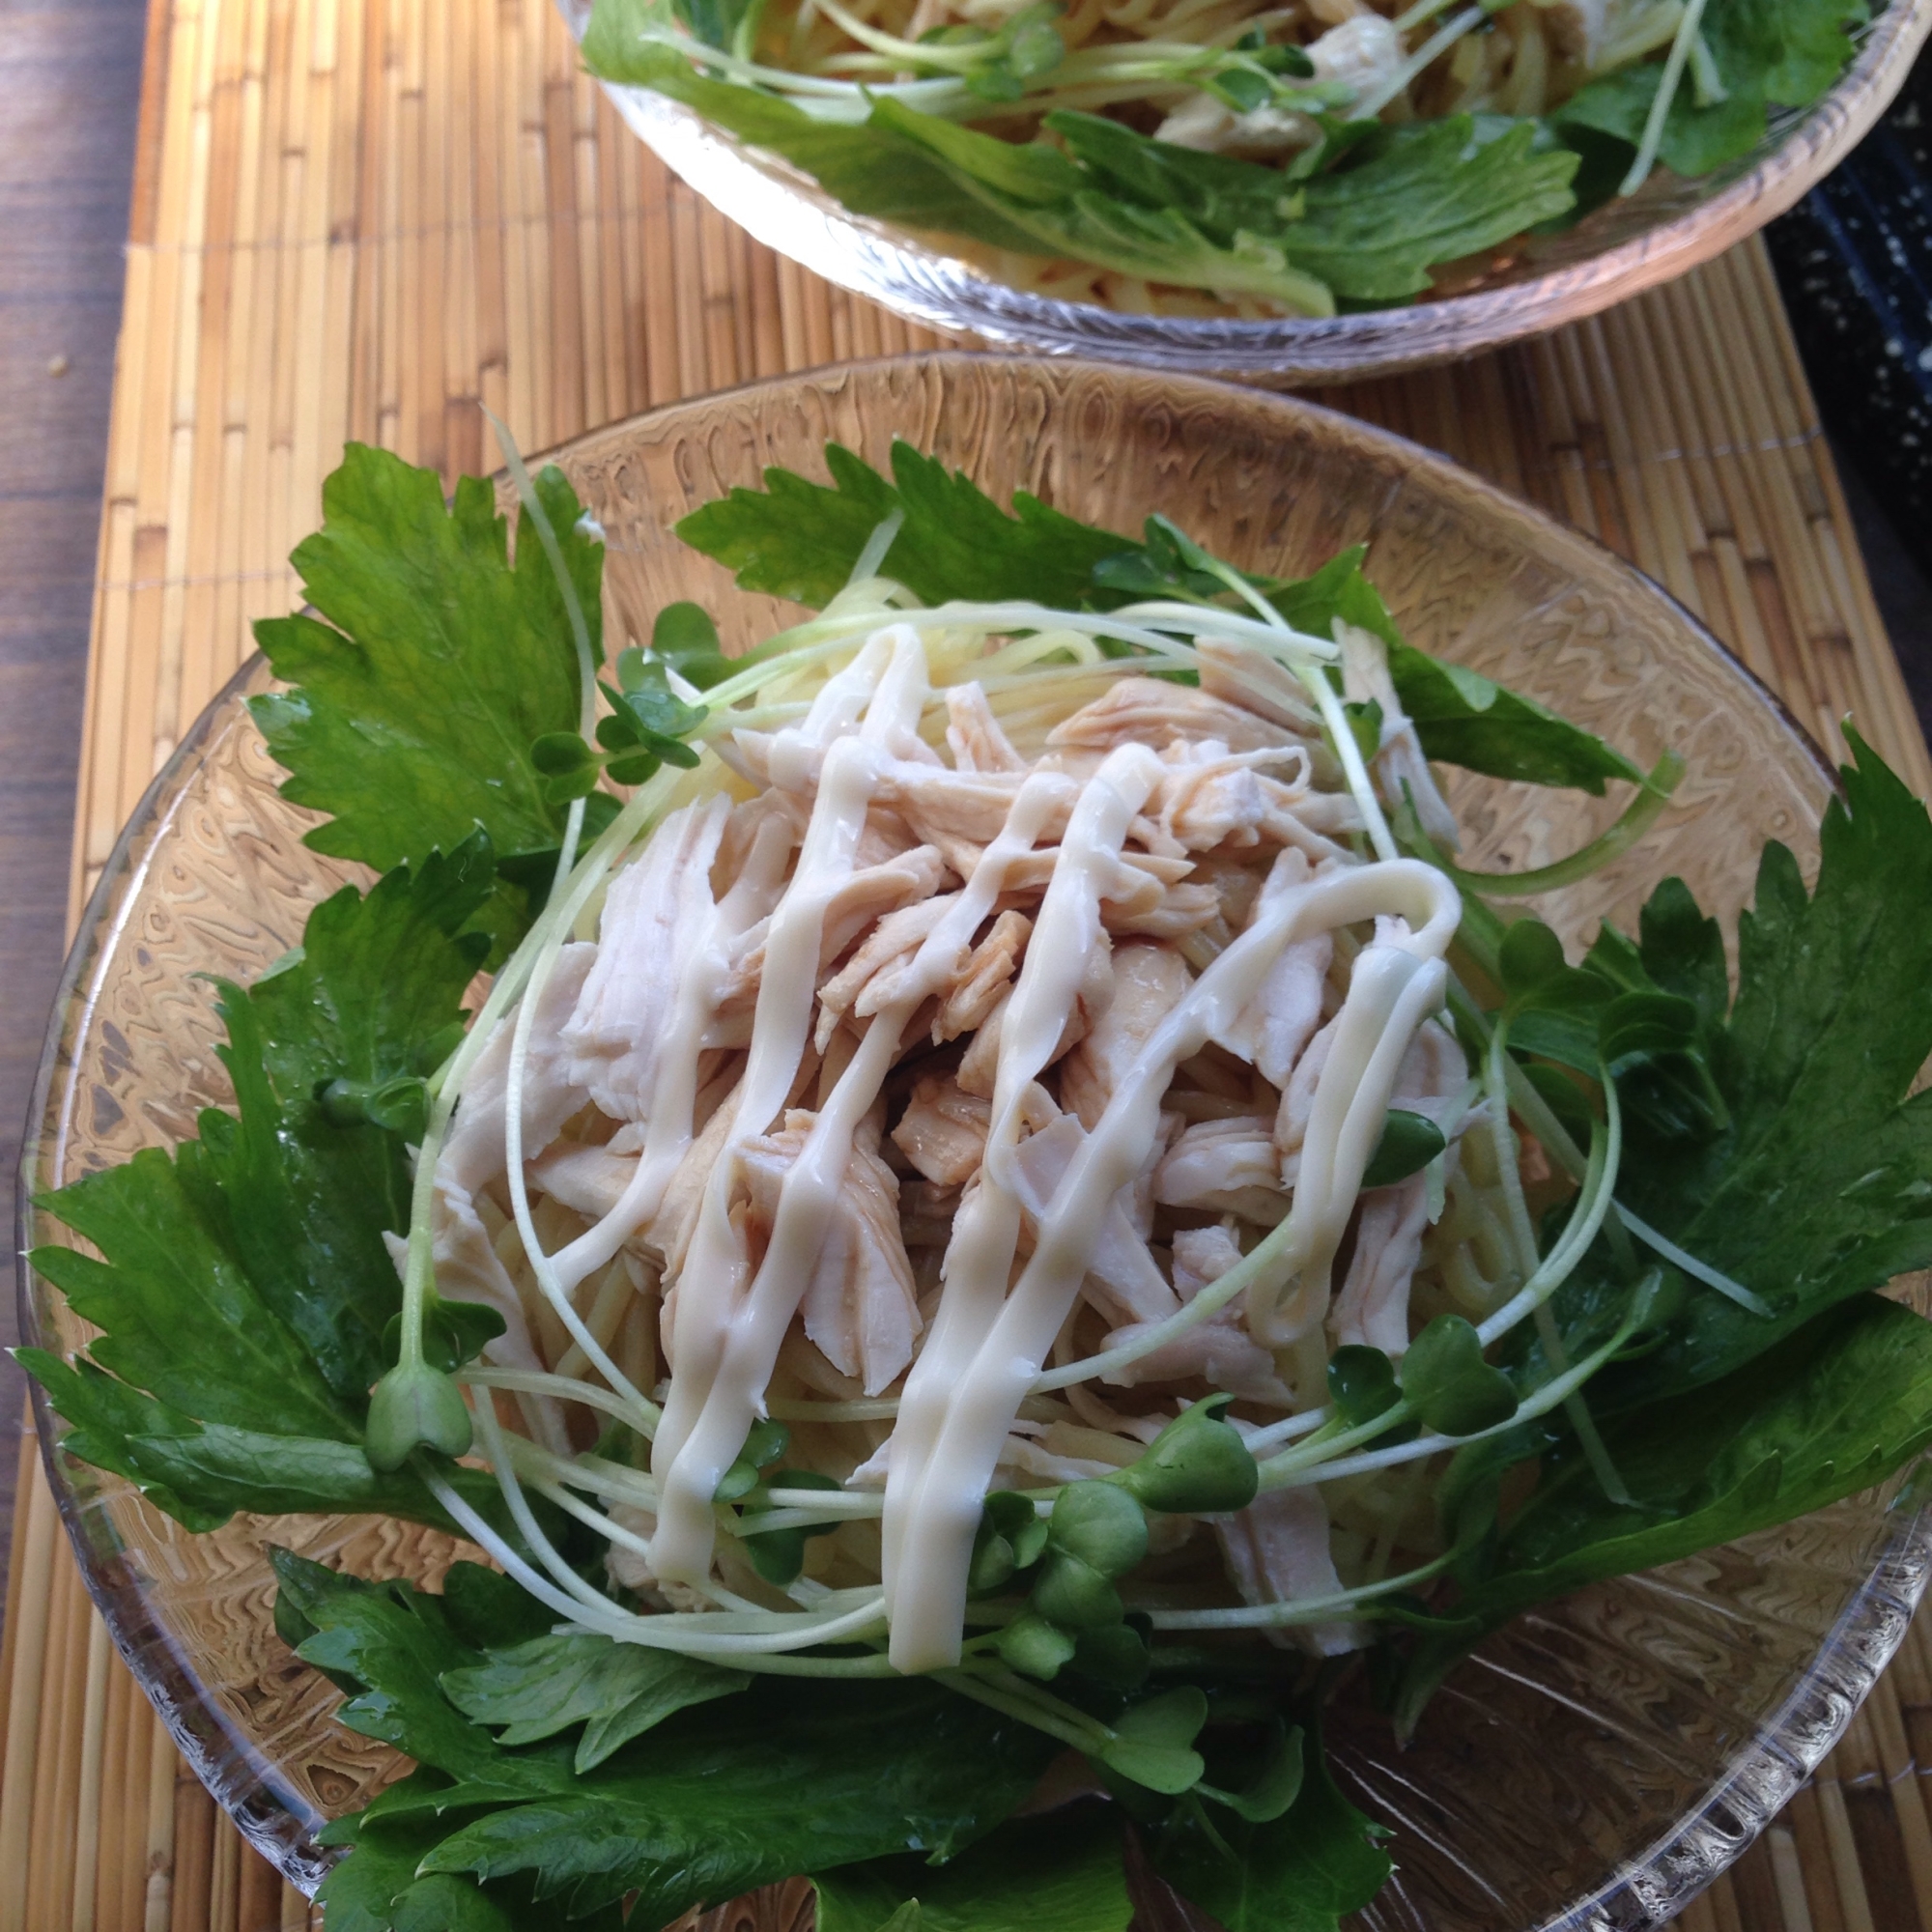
1060, 1873
617, 1691
433, 667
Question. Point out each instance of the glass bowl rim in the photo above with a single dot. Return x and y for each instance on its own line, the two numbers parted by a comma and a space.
916, 278
1652, 1884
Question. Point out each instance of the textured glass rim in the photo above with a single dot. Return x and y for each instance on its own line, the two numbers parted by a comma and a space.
1650, 1887
788, 212
270, 1817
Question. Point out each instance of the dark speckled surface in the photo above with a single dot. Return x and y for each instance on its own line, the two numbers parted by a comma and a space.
1854, 260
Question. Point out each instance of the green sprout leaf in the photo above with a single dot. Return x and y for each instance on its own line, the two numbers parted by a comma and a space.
1361, 1383
1197, 1465
1454, 1390
1408, 1143
1153, 1741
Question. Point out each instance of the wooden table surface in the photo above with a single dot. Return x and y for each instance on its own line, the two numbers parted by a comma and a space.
69, 89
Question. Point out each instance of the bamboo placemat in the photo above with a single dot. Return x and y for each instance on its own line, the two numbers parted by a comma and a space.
361, 217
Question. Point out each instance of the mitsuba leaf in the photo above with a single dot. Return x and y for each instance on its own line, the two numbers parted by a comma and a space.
865, 166
800, 539
1304, 1870
746, 1792
1835, 1407
1405, 199
395, 1641
1465, 719
1368, 230
1783, 53
617, 1691
1820, 1186
433, 666
1058, 1873
921, 171
375, 1887
740, 1792
245, 1285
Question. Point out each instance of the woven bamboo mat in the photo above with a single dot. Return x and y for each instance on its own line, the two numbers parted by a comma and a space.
361, 217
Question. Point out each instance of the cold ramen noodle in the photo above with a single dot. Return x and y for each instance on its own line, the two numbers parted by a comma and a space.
1006, 1206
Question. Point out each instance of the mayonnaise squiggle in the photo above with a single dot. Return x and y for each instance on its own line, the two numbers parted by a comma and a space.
1126, 814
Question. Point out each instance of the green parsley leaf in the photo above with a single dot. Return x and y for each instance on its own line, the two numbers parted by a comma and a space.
1838, 1405
1303, 1872
737, 1795
800, 539
433, 665
1820, 1188
244, 1286
617, 1691
377, 1890
1060, 1873
741, 1792
1783, 53
1406, 199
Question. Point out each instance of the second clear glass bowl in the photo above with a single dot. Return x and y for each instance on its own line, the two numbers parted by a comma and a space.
1668, 228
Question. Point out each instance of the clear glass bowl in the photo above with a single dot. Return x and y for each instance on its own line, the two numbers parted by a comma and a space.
1591, 1767
1666, 228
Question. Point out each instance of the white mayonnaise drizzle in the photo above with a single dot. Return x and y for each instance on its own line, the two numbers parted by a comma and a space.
885, 683
969, 1383
670, 1106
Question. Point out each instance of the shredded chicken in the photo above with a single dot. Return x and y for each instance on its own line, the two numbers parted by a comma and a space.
1400, 763
1220, 1352
943, 1130
1143, 711
1363, 52
974, 736
1226, 1166
1277, 1551
982, 979
984, 952
859, 1307
1373, 1306
1148, 982
622, 1017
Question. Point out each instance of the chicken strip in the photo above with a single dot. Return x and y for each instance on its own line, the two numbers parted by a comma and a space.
1148, 711
1228, 1166
1148, 982
943, 1130
860, 1308
1277, 1551
1219, 1350
974, 736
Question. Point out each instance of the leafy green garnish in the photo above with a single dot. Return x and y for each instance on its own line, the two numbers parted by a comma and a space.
800, 539
1303, 1870
616, 1690
1766, 53
1818, 1185
1838, 1406
245, 1286
415, 704
740, 1792
1450, 1386
1408, 198
1368, 231
1060, 1873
